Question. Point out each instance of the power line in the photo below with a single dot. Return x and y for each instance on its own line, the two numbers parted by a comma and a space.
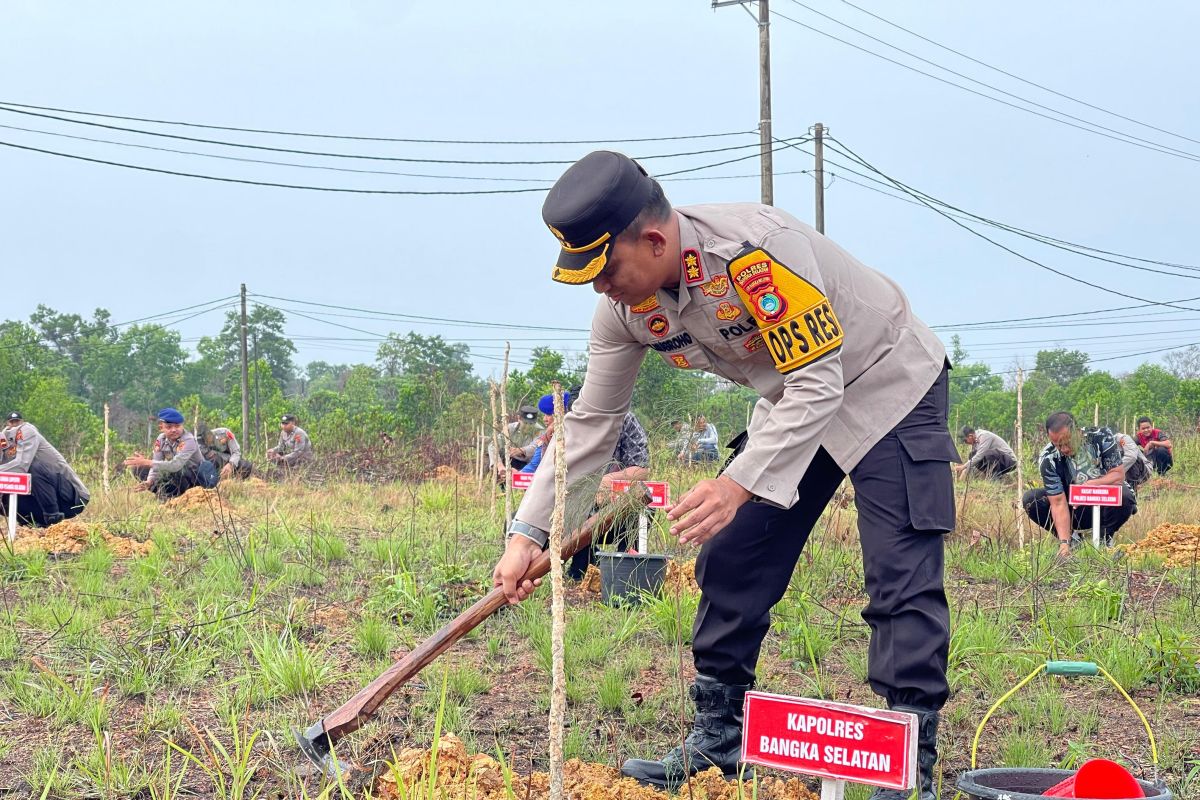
1124, 138
444, 320
275, 163
376, 138
271, 184
988, 85
1019, 78
405, 159
1042, 238
841, 147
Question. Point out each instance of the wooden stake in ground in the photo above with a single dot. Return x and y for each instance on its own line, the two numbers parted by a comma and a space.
507, 441
1096, 416
558, 624
493, 390
106, 486
1020, 466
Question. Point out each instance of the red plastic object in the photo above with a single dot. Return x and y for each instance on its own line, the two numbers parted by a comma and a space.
1098, 779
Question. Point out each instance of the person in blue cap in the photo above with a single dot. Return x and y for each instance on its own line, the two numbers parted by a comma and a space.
630, 462
174, 465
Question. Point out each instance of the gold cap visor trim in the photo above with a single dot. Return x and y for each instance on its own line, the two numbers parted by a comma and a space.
585, 275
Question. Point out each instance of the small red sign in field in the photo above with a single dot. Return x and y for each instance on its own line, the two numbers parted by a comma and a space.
15, 483
1095, 496
834, 741
660, 491
522, 480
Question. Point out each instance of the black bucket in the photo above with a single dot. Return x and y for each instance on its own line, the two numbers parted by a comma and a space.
1028, 784
624, 576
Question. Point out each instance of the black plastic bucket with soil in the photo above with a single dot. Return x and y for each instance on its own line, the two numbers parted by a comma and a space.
625, 577
1028, 784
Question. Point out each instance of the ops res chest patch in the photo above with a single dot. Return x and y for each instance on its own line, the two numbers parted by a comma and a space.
795, 318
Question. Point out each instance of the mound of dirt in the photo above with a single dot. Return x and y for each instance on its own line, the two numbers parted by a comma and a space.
1180, 544
195, 497
464, 777
591, 580
71, 536
681, 576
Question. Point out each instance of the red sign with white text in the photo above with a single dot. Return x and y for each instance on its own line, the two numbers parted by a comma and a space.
15, 483
660, 491
831, 740
1095, 495
522, 480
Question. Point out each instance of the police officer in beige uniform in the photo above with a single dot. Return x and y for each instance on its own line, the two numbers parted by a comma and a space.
851, 383
56, 492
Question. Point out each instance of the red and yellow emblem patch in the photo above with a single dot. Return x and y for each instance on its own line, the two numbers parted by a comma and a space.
754, 343
658, 325
693, 267
681, 362
646, 306
797, 320
717, 287
727, 311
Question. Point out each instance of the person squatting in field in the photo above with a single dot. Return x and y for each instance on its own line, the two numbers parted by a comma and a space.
630, 462
990, 455
851, 382
294, 449
174, 464
1156, 445
221, 449
56, 492
1078, 457
1138, 469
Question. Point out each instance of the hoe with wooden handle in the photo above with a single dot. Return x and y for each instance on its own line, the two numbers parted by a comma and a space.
317, 742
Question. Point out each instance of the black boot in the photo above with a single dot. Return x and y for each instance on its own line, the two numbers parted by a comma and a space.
715, 740
53, 519
927, 727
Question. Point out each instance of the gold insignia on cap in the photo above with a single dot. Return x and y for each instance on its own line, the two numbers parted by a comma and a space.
585, 275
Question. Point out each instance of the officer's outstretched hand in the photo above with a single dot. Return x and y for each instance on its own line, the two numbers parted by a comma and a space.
519, 553
706, 509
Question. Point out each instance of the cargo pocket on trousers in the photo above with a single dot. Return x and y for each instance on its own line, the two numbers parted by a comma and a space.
926, 455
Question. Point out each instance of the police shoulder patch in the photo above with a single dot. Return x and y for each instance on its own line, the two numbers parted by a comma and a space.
796, 319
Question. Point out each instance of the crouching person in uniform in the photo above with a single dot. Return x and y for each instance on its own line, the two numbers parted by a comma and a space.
175, 463
56, 492
851, 383
220, 448
294, 450
1074, 456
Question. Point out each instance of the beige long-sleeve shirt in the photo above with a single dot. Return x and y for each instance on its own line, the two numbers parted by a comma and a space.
988, 444
32, 447
830, 345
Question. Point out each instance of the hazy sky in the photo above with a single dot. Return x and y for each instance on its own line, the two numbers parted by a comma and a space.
78, 235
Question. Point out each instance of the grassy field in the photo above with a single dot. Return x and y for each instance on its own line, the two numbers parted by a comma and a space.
180, 672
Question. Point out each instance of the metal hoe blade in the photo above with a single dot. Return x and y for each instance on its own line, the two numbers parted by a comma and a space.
314, 743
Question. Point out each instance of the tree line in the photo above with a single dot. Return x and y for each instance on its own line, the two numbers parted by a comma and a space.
61, 369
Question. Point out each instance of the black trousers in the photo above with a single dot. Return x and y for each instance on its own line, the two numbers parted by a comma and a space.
995, 465
172, 484
1162, 460
243, 470
905, 499
1037, 506
51, 494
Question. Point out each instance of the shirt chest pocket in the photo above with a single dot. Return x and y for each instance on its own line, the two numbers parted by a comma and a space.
683, 352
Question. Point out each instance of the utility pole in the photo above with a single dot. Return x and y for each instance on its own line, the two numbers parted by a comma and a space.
819, 174
245, 377
764, 92
258, 431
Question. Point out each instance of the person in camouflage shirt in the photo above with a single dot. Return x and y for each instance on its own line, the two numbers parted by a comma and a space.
1078, 456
